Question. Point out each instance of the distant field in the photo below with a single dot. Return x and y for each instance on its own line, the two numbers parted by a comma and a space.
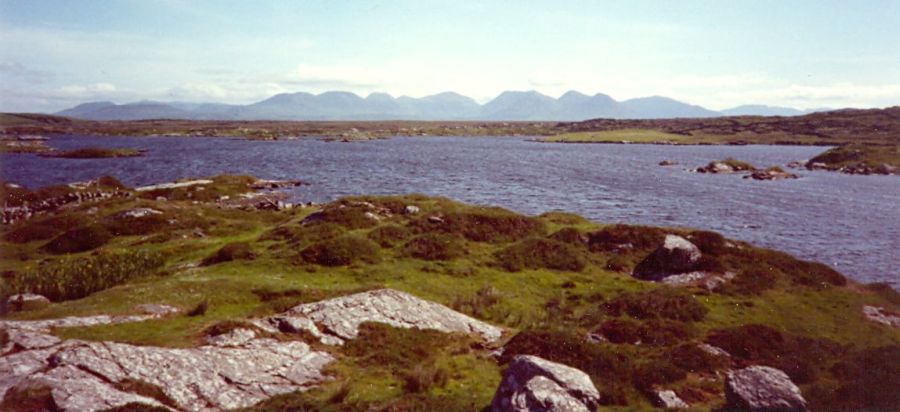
619, 136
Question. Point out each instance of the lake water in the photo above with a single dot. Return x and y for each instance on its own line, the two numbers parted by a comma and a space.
849, 222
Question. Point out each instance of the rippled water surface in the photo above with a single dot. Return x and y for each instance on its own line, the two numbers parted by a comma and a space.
849, 222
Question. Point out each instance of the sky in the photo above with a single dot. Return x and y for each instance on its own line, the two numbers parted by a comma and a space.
718, 54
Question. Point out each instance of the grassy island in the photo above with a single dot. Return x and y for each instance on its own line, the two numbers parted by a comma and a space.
94, 153
549, 281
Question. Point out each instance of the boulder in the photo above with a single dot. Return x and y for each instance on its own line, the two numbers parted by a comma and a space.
532, 384
676, 255
762, 388
411, 209
668, 163
881, 315
27, 301
772, 173
669, 399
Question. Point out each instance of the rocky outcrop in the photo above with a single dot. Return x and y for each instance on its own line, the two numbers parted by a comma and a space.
263, 184
335, 320
14, 214
668, 163
772, 173
26, 301
762, 388
173, 185
234, 371
882, 315
675, 256
532, 384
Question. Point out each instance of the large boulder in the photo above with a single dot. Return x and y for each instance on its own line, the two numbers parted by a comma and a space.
762, 388
532, 384
676, 255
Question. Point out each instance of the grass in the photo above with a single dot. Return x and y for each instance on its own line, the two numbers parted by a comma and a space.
546, 309
620, 136
868, 155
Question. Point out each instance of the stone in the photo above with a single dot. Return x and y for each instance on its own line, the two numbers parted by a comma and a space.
882, 315
713, 350
137, 213
336, 320
669, 399
27, 301
532, 384
173, 185
668, 163
411, 210
676, 255
762, 388
771, 174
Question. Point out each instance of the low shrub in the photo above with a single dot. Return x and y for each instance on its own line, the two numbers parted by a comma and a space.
710, 243
382, 345
664, 302
29, 399
137, 407
424, 377
539, 253
563, 218
80, 239
198, 310
692, 358
654, 332
655, 372
885, 291
349, 216
137, 226
230, 252
435, 246
129, 385
618, 263
616, 237
799, 272
868, 382
43, 228
389, 235
569, 235
296, 234
75, 278
494, 225
340, 251
750, 282
568, 348
478, 303
708, 263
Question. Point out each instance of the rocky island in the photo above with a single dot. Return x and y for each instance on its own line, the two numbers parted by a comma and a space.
187, 296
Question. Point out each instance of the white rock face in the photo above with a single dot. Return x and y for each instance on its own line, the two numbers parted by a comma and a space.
335, 320
676, 255
881, 315
173, 185
235, 370
532, 384
762, 388
669, 399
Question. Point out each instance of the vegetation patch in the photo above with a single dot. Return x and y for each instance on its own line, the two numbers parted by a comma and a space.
341, 251
43, 228
230, 252
29, 399
94, 153
351, 216
296, 234
147, 389
75, 278
389, 235
569, 235
492, 224
435, 246
654, 332
663, 302
625, 237
540, 253
80, 239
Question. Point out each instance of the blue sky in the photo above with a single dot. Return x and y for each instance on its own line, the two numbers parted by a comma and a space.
719, 54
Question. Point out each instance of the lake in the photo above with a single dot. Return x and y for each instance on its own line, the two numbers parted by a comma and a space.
849, 222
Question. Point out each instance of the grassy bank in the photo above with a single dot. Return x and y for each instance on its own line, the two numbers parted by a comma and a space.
548, 280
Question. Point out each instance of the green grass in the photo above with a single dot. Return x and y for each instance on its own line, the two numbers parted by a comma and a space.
547, 304
620, 136
853, 154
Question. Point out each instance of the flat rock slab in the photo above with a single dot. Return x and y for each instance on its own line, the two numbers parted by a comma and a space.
335, 320
762, 388
236, 371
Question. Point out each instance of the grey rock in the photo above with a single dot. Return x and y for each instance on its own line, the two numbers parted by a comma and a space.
675, 256
669, 399
881, 315
155, 309
136, 213
411, 210
532, 384
27, 301
762, 388
713, 350
336, 320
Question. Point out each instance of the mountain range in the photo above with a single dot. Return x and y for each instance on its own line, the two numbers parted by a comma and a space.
338, 105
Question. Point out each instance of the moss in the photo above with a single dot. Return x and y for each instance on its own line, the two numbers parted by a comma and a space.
137, 407
435, 246
538, 253
389, 235
616, 237
664, 302
230, 252
494, 225
380, 344
147, 389
340, 251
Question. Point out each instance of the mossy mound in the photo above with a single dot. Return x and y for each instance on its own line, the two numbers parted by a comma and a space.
341, 251
350, 216
44, 228
539, 253
305, 234
569, 235
494, 225
389, 235
222, 185
625, 238
230, 252
435, 246
80, 239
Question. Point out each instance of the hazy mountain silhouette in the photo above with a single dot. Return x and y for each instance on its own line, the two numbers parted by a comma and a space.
339, 105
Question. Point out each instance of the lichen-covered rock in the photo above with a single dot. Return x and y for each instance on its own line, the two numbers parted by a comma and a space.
532, 384
669, 399
676, 255
881, 315
336, 320
762, 388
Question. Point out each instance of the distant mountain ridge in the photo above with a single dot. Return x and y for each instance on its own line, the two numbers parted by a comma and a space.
340, 105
